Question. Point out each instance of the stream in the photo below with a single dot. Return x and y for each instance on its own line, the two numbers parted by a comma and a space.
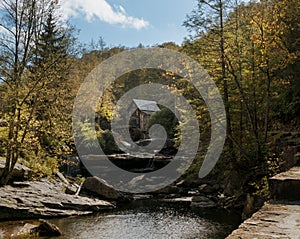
144, 219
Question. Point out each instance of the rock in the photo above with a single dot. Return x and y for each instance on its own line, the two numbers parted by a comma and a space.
297, 159
21, 184
20, 171
47, 229
133, 182
188, 184
179, 200
180, 183
193, 192
71, 190
45, 199
273, 220
27, 231
208, 189
169, 190
202, 187
101, 188
139, 162
203, 202
141, 196
249, 207
286, 185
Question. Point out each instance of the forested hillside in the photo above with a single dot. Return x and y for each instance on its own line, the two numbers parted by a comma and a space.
250, 50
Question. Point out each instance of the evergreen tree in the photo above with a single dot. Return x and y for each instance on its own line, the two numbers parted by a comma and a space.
33, 66
53, 106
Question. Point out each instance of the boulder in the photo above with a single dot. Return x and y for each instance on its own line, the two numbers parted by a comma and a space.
20, 171
101, 188
208, 189
203, 202
47, 229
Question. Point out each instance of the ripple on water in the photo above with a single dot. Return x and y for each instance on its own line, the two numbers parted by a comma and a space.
140, 223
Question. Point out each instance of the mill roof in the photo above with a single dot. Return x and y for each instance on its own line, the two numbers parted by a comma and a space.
146, 106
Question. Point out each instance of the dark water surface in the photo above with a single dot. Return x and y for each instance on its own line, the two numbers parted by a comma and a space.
150, 220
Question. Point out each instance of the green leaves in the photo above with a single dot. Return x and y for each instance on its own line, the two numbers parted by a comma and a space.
260, 42
34, 64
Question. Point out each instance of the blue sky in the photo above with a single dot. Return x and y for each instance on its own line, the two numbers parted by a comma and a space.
129, 22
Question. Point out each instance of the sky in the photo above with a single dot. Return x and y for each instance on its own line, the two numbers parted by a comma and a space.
128, 22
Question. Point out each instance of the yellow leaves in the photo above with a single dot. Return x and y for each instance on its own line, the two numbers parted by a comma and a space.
169, 74
263, 51
285, 82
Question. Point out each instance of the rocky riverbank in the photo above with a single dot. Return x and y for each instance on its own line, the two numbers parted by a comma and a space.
281, 217
60, 196
43, 199
57, 197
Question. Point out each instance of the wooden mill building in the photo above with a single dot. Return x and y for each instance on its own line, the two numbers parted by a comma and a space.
140, 118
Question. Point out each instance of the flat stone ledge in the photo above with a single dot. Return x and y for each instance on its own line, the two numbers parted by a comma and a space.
292, 174
45, 198
286, 185
274, 220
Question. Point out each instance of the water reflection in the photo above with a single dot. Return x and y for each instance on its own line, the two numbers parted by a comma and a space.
150, 221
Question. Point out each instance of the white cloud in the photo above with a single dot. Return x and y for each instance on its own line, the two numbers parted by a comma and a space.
102, 10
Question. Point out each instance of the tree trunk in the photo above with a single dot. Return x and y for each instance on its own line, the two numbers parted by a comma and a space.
225, 84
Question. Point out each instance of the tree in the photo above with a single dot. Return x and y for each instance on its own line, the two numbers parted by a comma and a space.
209, 18
51, 64
24, 80
167, 119
287, 19
261, 59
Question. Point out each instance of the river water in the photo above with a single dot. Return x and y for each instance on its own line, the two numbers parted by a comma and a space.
146, 220
151, 220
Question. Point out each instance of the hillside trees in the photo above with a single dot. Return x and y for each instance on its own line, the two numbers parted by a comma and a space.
258, 55
287, 19
210, 15
33, 64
